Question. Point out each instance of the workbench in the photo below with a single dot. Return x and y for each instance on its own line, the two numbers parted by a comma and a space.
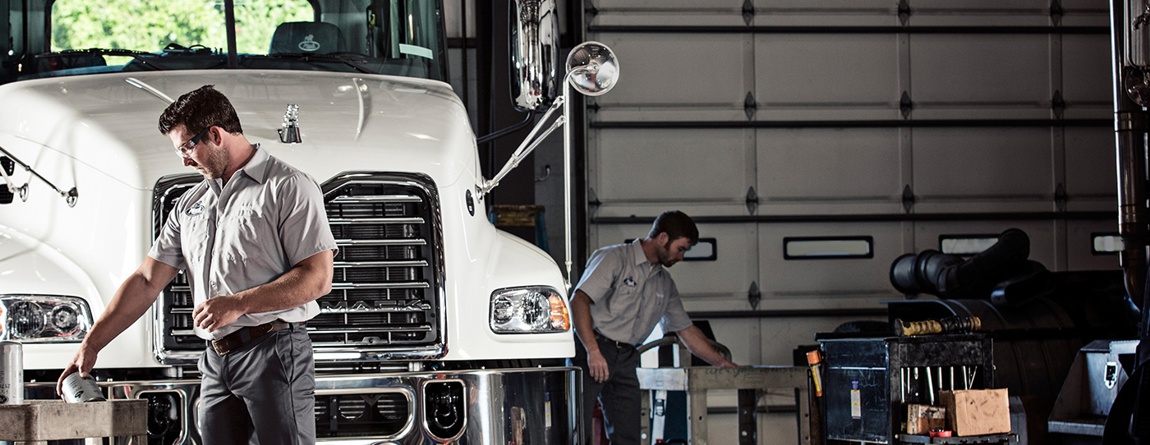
749, 381
38, 421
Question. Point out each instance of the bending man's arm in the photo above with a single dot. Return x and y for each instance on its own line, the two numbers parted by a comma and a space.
585, 329
132, 299
698, 344
306, 281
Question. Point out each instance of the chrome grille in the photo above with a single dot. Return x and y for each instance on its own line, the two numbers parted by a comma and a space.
384, 414
386, 291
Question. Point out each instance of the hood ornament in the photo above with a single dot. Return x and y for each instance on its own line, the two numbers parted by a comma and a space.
289, 133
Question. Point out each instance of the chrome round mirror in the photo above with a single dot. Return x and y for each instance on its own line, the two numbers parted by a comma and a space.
592, 68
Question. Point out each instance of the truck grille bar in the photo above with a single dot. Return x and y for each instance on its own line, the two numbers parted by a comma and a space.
387, 292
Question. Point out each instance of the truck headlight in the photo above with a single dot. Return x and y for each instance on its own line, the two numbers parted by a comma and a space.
528, 310
43, 318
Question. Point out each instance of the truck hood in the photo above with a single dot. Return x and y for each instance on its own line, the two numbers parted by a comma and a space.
395, 123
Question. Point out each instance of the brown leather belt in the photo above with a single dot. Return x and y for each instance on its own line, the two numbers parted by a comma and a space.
245, 335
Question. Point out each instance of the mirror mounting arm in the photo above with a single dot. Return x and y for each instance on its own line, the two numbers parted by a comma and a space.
526, 147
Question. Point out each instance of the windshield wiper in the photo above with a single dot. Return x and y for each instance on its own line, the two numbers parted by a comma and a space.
354, 62
146, 59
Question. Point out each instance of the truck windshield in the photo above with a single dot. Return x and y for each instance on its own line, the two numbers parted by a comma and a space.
397, 37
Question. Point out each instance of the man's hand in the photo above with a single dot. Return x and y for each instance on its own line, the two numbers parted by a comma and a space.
217, 312
724, 363
83, 363
598, 366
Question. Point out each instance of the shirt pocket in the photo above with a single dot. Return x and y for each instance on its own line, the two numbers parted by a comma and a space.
248, 235
195, 239
624, 299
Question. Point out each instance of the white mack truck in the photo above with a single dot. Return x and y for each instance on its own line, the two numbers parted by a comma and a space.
439, 328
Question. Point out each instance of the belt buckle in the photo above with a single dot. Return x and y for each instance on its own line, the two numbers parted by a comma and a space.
220, 349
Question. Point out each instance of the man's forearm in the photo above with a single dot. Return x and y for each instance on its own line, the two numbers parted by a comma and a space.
701, 347
306, 282
584, 328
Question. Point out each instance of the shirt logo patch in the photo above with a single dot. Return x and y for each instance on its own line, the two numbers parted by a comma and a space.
196, 210
629, 281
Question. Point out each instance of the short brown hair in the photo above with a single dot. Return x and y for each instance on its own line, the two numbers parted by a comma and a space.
677, 225
200, 109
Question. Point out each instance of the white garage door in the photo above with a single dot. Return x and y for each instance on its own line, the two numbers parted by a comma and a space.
816, 141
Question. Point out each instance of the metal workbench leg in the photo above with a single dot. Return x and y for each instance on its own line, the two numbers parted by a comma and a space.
698, 402
748, 417
806, 417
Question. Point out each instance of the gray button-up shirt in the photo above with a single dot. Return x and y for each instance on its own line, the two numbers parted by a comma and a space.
630, 294
229, 238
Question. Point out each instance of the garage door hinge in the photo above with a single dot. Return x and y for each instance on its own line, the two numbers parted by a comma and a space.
754, 295
752, 200
1057, 104
1056, 12
592, 200
905, 105
907, 198
1060, 197
903, 12
748, 12
749, 106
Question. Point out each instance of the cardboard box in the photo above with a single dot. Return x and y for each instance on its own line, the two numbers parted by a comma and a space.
920, 419
977, 411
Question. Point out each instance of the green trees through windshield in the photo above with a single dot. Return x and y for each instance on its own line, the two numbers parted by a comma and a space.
150, 26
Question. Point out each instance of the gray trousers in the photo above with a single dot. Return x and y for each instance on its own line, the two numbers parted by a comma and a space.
262, 393
619, 395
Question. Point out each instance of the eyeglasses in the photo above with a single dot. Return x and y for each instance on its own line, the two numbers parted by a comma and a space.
185, 149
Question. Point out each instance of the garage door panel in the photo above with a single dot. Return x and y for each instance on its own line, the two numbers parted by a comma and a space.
980, 13
1085, 13
635, 166
815, 76
963, 169
668, 13
980, 76
826, 13
827, 283
699, 77
1090, 169
1081, 253
1085, 77
782, 332
828, 171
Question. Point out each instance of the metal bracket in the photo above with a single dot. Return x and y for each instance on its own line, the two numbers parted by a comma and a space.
1060, 196
905, 105
752, 200
907, 198
749, 106
1057, 104
1056, 12
754, 295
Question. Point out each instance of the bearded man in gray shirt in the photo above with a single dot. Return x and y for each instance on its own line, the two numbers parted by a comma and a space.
624, 292
254, 239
